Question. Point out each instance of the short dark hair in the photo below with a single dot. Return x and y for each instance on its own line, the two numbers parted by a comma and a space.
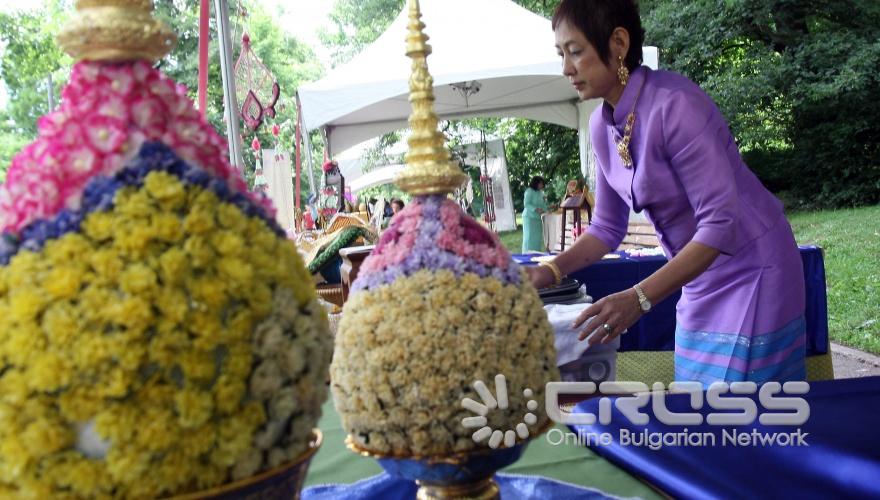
535, 181
596, 19
399, 202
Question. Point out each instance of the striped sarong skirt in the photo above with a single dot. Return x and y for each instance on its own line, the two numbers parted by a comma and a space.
709, 357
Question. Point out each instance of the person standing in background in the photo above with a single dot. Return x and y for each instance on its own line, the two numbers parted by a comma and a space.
534, 205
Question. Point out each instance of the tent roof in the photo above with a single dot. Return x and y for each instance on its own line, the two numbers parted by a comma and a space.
506, 48
377, 177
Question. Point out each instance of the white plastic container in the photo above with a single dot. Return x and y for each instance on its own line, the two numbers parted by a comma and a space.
577, 361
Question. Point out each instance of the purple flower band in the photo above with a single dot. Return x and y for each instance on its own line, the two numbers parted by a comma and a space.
99, 195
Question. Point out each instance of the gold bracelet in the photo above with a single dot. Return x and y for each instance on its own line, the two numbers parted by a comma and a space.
557, 274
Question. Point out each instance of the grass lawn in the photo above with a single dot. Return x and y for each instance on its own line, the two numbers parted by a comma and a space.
512, 240
851, 240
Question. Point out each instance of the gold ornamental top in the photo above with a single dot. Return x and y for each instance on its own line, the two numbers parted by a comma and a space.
116, 31
429, 167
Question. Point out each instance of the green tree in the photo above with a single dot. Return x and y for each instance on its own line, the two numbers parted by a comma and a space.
29, 57
291, 61
796, 80
31, 54
357, 23
536, 148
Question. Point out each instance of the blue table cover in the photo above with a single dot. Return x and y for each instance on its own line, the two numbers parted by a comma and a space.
841, 461
512, 486
656, 330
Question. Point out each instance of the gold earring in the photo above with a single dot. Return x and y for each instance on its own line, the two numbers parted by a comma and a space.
622, 71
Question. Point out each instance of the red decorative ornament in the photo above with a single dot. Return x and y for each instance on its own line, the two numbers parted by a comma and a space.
276, 130
256, 145
255, 86
308, 221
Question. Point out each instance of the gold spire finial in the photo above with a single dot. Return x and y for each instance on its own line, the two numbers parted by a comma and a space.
429, 166
116, 31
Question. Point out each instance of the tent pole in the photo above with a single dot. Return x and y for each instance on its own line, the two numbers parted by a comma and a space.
298, 172
588, 166
204, 39
233, 133
307, 145
326, 135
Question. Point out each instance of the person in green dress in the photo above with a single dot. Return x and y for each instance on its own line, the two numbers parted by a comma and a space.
534, 205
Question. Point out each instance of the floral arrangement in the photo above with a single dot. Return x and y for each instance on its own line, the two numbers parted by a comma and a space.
107, 112
437, 305
158, 333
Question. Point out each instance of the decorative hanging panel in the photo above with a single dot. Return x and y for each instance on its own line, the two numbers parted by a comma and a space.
255, 86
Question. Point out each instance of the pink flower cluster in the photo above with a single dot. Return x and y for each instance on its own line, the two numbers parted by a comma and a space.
463, 236
396, 242
421, 229
106, 113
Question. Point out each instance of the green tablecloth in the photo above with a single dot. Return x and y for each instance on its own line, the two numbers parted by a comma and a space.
571, 463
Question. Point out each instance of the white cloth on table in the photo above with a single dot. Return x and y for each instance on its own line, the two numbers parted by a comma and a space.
577, 361
551, 222
568, 347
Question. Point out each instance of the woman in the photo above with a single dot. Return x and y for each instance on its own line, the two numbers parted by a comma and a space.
662, 146
534, 205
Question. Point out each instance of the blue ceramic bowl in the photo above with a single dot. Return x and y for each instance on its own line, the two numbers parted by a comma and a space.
285, 481
459, 470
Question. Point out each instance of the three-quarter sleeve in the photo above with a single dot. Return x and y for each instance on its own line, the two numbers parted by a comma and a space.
541, 201
610, 215
698, 144
531, 200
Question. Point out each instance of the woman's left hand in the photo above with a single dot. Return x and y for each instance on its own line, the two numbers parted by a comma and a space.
609, 317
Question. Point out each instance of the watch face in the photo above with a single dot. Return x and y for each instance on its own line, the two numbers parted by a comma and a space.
646, 306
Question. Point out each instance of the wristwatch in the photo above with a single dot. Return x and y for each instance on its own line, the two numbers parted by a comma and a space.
644, 303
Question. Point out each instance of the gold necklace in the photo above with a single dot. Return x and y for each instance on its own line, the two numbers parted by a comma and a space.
623, 143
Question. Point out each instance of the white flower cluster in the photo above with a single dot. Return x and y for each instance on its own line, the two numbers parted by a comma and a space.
289, 378
407, 353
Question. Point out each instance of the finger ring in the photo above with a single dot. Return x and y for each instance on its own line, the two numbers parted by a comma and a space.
607, 327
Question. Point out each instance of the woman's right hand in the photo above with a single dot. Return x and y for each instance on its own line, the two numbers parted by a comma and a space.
540, 276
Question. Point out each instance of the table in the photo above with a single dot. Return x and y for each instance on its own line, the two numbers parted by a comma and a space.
352, 259
841, 461
655, 331
335, 464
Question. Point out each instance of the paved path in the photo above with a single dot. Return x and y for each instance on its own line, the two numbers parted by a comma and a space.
851, 363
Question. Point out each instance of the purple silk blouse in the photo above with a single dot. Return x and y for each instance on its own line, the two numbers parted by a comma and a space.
691, 182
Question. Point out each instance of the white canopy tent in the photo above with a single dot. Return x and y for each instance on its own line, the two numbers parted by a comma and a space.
490, 58
377, 177
494, 165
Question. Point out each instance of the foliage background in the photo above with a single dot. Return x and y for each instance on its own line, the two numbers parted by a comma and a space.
797, 81
30, 54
